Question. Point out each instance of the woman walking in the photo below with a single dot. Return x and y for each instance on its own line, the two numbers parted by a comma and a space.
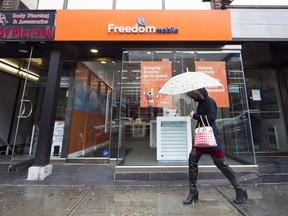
207, 106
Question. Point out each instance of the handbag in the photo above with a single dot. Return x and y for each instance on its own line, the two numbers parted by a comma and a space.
204, 136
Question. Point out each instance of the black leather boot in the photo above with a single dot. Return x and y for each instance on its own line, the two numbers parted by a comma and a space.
193, 195
241, 193
193, 173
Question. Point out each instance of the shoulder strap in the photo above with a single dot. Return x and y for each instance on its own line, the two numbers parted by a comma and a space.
207, 121
202, 121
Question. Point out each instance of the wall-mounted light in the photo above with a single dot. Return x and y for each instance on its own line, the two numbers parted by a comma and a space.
8, 67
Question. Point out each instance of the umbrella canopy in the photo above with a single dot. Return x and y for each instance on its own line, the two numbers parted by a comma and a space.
188, 81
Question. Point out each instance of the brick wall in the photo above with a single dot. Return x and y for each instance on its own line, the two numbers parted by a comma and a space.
9, 4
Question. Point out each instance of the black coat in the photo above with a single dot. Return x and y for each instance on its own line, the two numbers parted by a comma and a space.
208, 107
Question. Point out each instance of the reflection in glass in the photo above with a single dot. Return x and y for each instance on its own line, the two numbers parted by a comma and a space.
137, 122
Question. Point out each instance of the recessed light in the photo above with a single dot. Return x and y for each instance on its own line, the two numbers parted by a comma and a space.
23, 51
94, 51
103, 62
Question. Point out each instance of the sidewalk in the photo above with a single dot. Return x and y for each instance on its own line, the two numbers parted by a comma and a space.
134, 200
80, 190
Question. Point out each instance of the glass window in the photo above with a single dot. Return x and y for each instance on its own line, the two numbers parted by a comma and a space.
186, 4
139, 4
141, 107
259, 2
90, 4
50, 4
88, 110
267, 116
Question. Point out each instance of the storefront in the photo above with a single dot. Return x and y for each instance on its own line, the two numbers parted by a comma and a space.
104, 106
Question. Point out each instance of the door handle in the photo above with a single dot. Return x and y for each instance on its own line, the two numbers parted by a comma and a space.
24, 102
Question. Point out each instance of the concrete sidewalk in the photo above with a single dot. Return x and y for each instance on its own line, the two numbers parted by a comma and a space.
108, 200
91, 190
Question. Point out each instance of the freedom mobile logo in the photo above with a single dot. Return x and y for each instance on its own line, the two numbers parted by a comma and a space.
141, 28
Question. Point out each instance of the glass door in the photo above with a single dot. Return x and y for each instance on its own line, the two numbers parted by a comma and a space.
267, 115
26, 119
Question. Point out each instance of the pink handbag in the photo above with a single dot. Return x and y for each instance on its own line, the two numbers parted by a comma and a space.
204, 136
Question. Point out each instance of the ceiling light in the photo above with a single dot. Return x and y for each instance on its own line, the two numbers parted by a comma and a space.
103, 62
23, 51
9, 68
94, 51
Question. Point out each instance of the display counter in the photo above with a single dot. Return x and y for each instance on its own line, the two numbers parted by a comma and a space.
174, 139
138, 128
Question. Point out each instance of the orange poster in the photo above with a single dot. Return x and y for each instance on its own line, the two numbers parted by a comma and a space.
218, 71
153, 76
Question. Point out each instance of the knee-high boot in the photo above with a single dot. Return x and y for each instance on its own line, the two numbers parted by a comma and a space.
193, 173
241, 193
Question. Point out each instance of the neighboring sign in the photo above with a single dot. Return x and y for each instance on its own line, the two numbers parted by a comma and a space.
143, 25
57, 139
65, 82
153, 76
27, 25
218, 71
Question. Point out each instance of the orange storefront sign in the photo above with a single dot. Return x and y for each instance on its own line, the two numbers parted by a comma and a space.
218, 71
143, 25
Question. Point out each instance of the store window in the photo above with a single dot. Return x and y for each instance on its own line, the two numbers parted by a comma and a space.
83, 117
267, 114
154, 129
89, 4
187, 4
140, 4
49, 4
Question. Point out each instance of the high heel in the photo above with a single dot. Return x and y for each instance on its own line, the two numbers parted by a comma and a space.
193, 195
241, 194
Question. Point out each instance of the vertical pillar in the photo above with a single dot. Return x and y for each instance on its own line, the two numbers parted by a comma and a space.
41, 169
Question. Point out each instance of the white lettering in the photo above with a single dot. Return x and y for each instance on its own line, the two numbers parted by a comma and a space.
110, 27
134, 28
121, 29
129, 29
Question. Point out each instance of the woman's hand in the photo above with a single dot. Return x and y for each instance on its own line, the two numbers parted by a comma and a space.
191, 114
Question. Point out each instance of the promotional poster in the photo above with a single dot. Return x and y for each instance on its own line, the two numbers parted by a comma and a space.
216, 70
153, 76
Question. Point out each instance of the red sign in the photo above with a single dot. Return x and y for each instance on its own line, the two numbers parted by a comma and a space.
153, 76
218, 71
27, 25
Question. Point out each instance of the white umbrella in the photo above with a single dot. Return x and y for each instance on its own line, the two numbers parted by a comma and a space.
188, 81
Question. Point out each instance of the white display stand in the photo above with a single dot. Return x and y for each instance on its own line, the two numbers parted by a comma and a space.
139, 129
153, 134
174, 139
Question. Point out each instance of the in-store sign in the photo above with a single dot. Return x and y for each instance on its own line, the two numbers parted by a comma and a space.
27, 25
141, 28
